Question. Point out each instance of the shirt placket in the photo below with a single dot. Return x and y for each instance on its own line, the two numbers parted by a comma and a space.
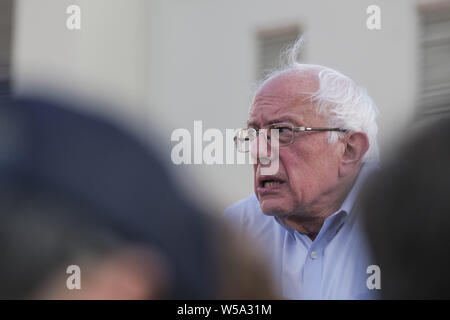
312, 273
313, 267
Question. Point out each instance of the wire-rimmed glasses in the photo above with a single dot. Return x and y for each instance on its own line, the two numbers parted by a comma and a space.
286, 134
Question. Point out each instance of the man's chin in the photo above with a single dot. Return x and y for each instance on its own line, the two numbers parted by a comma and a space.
271, 207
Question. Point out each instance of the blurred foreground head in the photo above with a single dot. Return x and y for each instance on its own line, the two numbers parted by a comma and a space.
408, 216
76, 191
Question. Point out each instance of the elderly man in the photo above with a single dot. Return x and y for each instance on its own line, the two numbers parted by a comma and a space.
304, 216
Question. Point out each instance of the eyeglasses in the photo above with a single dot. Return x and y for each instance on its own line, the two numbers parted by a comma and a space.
286, 134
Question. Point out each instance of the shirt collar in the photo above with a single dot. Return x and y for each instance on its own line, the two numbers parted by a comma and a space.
349, 202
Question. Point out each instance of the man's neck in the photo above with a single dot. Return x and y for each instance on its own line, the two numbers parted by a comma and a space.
311, 219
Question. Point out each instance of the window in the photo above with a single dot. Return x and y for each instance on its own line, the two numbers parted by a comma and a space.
434, 74
5, 44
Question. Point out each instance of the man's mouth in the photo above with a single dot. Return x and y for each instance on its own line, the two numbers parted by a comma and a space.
269, 183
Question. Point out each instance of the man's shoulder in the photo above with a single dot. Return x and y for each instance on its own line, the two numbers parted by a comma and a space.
247, 212
249, 220
243, 208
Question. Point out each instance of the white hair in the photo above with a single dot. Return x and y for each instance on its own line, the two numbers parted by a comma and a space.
339, 98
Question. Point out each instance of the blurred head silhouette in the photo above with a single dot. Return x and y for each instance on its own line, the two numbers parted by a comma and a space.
77, 191
407, 216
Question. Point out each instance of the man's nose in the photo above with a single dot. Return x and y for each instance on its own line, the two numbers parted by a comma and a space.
260, 149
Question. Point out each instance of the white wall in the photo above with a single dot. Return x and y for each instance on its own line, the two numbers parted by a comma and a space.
104, 61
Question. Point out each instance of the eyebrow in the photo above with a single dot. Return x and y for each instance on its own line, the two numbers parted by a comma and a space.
251, 124
285, 118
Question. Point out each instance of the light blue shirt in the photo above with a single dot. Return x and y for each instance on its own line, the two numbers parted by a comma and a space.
333, 266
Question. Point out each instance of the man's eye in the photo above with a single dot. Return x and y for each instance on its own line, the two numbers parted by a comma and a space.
283, 130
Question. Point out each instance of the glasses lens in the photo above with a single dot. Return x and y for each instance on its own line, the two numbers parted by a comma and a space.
285, 133
243, 139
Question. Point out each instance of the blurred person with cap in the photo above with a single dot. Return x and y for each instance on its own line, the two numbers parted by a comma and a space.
76, 190
304, 215
407, 215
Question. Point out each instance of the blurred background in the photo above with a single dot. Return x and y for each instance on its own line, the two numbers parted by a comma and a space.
159, 65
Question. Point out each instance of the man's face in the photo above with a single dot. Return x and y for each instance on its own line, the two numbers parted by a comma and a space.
308, 168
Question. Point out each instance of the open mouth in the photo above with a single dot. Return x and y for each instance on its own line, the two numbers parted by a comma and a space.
269, 182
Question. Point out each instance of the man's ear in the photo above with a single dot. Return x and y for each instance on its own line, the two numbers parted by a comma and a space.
356, 145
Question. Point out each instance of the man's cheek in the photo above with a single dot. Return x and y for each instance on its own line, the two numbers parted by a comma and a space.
292, 194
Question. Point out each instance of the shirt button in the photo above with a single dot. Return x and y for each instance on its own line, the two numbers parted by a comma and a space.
313, 254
